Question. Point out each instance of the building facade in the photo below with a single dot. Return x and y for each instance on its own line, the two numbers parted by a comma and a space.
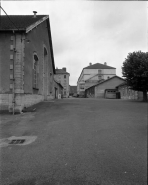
27, 62
93, 74
62, 76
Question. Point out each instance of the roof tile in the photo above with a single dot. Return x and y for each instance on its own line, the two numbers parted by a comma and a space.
20, 22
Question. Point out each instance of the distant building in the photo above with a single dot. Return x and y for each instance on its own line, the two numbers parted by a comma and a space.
93, 74
58, 90
27, 62
62, 76
105, 88
73, 90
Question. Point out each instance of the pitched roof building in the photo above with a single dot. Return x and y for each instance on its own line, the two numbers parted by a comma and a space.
104, 87
92, 74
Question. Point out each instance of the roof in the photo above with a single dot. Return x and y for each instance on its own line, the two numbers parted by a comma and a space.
99, 66
58, 83
122, 84
20, 22
61, 71
101, 82
110, 89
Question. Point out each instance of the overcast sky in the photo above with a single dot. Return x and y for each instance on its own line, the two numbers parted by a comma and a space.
90, 31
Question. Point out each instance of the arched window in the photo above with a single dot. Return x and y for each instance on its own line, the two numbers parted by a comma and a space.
35, 71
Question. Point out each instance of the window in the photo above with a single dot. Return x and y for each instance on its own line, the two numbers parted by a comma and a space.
81, 86
99, 71
35, 71
99, 77
64, 76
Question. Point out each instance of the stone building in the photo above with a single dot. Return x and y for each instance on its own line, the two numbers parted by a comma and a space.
27, 61
62, 76
92, 75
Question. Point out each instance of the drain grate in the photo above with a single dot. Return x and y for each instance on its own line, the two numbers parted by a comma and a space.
17, 141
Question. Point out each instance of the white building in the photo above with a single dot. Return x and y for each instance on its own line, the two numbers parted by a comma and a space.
92, 75
63, 77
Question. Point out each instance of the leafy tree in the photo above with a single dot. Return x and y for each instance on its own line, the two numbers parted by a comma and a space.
135, 71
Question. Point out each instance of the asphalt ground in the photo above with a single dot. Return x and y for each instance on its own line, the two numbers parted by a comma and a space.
79, 142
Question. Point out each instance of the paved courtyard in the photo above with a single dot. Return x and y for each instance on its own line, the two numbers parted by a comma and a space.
77, 142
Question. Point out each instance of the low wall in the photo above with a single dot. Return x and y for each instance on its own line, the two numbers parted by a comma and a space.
5, 101
127, 93
50, 97
31, 99
21, 101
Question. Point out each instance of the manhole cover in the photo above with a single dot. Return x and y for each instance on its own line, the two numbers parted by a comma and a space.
17, 141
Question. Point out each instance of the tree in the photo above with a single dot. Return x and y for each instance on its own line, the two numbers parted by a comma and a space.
135, 71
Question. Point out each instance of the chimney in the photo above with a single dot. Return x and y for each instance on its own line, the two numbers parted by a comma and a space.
90, 64
64, 69
105, 63
34, 14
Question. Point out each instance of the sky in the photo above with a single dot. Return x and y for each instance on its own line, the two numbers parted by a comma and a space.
86, 32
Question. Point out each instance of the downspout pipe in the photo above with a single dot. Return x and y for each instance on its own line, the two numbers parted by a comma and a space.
14, 55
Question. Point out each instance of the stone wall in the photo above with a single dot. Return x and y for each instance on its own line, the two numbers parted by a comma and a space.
21, 101
5, 101
128, 93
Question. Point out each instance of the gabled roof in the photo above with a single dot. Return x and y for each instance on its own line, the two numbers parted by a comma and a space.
101, 82
61, 71
99, 66
20, 22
